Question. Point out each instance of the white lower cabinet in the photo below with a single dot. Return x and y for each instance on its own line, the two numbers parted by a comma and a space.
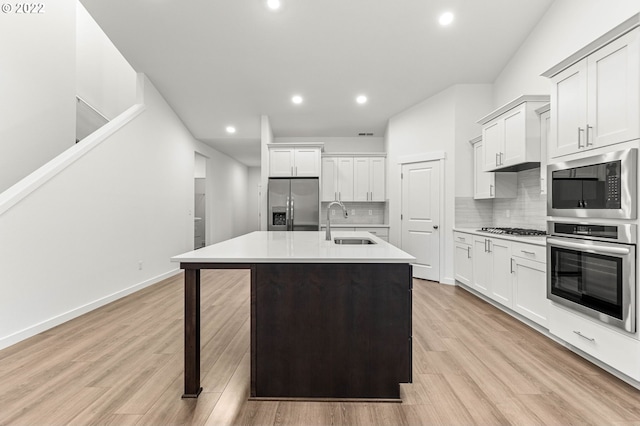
382, 233
529, 278
610, 346
463, 258
491, 273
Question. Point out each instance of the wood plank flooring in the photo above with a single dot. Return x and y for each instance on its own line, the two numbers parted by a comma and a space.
472, 364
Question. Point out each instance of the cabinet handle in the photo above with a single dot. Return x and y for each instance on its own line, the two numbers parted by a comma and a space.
497, 159
511, 265
591, 339
296, 170
580, 130
461, 238
469, 252
589, 127
340, 196
335, 195
490, 190
501, 162
291, 170
489, 245
528, 252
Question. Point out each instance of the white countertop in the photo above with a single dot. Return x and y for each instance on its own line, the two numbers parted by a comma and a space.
296, 247
354, 225
527, 239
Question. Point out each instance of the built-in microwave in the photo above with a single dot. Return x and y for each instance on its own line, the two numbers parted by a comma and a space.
601, 186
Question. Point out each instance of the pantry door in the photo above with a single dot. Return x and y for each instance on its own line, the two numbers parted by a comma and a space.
420, 218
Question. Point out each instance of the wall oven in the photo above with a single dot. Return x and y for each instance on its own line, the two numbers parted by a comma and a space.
601, 186
592, 269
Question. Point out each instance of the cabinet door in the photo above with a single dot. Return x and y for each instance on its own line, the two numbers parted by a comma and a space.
307, 162
500, 261
515, 137
329, 178
481, 266
360, 179
569, 110
483, 182
545, 128
463, 263
281, 162
492, 140
376, 179
530, 290
345, 178
613, 94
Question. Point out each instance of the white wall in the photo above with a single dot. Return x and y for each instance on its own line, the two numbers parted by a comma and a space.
266, 137
227, 183
341, 144
37, 105
75, 243
568, 26
104, 79
254, 195
444, 122
472, 103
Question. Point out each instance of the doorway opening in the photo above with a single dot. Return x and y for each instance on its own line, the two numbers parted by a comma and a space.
200, 202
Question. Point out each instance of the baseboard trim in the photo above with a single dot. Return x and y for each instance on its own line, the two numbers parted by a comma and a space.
31, 331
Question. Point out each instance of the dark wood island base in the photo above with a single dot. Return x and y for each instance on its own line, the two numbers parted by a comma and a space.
320, 331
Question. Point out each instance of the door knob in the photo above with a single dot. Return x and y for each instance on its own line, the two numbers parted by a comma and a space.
435, 226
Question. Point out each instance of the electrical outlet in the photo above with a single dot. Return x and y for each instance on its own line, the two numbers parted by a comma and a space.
140, 265
508, 213
353, 212
333, 212
370, 212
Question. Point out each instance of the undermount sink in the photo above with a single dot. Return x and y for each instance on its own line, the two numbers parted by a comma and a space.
353, 241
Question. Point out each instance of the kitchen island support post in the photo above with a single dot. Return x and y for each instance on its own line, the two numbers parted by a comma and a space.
192, 387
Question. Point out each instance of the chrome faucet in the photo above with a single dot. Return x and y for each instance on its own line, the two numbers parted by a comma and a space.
344, 213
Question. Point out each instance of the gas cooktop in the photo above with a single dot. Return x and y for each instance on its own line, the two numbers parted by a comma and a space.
514, 231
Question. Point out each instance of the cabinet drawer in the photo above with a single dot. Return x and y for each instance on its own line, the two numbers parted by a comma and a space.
378, 232
459, 237
529, 251
609, 346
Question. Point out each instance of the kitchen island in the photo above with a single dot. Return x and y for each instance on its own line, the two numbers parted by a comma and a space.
327, 320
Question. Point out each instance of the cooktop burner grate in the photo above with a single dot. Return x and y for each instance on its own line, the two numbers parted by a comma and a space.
514, 231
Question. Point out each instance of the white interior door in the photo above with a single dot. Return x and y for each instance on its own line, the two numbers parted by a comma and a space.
420, 221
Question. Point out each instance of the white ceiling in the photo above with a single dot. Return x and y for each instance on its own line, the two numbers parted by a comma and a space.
227, 62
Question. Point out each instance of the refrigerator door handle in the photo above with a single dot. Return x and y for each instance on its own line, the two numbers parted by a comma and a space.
293, 209
287, 217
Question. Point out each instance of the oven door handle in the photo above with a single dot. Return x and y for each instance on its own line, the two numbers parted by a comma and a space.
588, 247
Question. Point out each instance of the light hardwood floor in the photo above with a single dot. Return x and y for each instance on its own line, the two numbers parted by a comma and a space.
472, 364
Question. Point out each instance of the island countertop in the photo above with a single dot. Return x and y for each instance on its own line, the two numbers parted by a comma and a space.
296, 247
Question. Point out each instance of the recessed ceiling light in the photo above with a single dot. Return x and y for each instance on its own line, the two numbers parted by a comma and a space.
297, 99
273, 4
362, 99
231, 129
445, 19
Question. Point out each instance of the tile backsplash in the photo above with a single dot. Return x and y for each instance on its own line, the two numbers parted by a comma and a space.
358, 213
527, 210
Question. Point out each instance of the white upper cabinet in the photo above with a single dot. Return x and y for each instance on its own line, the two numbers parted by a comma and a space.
337, 178
294, 161
353, 178
487, 185
368, 178
545, 128
595, 97
511, 135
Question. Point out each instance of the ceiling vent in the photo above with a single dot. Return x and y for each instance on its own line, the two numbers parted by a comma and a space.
365, 134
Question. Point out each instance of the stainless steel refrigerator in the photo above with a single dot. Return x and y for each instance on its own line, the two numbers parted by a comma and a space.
294, 204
